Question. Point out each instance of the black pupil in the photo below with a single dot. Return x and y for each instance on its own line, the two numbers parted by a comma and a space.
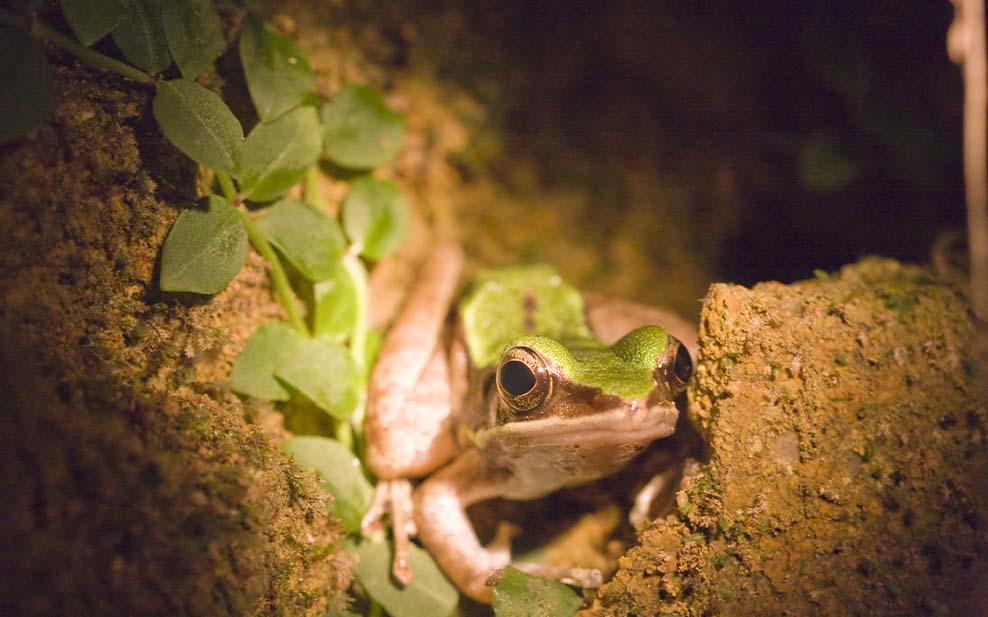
517, 378
683, 366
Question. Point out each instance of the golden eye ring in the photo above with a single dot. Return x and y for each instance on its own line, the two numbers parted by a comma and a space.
523, 379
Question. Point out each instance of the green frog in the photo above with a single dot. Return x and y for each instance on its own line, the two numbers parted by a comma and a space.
527, 390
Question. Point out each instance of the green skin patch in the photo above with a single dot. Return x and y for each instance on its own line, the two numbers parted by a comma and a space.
533, 307
506, 303
624, 369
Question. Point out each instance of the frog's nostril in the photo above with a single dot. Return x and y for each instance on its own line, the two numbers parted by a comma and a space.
516, 378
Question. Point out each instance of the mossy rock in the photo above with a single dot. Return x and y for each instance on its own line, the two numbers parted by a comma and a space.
848, 471
132, 484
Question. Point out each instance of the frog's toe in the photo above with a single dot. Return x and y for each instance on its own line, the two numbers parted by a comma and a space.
585, 578
372, 519
400, 569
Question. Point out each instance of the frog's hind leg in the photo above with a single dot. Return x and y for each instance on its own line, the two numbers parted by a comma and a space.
410, 451
408, 407
611, 318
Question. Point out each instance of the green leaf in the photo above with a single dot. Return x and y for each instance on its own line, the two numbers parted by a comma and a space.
198, 122
824, 165
375, 216
141, 37
335, 312
523, 595
277, 154
205, 249
266, 349
91, 20
339, 475
428, 595
359, 130
325, 373
194, 34
25, 84
278, 75
308, 238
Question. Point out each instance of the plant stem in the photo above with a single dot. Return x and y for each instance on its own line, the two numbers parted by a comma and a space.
226, 185
343, 433
966, 46
358, 337
90, 57
358, 340
278, 277
313, 195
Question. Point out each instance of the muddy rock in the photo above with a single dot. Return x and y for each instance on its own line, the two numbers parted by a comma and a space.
848, 458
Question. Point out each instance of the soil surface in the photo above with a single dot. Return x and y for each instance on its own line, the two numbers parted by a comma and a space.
135, 482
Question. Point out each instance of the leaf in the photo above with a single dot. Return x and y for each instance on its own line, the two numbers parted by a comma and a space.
91, 20
205, 248
198, 122
359, 130
325, 373
140, 36
278, 75
375, 216
25, 84
309, 239
277, 154
339, 475
266, 349
428, 595
522, 595
825, 165
194, 34
335, 312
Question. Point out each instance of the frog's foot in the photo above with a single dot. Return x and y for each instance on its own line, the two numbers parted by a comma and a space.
394, 496
585, 578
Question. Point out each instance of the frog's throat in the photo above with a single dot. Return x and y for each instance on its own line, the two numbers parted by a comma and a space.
608, 428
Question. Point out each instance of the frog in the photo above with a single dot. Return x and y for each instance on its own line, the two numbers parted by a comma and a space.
519, 389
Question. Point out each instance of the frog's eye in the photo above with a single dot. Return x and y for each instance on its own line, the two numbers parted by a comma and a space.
523, 380
682, 366
675, 367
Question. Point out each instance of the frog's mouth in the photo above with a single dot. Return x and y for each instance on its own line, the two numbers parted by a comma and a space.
607, 428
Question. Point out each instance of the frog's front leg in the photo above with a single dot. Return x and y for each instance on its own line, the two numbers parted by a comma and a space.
408, 408
443, 526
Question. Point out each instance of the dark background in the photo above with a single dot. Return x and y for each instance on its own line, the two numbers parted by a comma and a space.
809, 133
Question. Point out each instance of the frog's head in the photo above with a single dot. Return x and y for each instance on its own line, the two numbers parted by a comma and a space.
557, 393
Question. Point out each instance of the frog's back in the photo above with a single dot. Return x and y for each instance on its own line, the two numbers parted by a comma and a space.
504, 304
